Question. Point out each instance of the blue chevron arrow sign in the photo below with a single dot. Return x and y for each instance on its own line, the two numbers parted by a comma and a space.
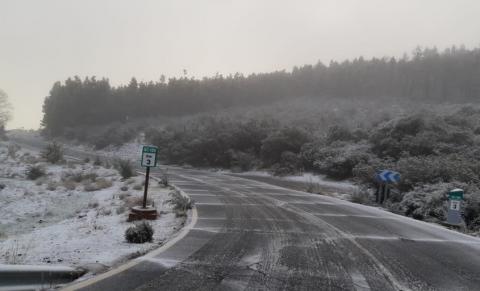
387, 176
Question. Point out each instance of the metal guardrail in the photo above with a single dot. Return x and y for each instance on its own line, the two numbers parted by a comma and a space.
30, 277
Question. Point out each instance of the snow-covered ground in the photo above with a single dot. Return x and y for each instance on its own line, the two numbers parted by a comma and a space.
74, 215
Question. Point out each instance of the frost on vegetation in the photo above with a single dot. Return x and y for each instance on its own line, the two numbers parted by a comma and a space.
164, 178
53, 153
34, 172
125, 168
141, 232
362, 196
12, 150
180, 203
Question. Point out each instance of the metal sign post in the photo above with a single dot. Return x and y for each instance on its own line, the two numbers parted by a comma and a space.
149, 159
454, 215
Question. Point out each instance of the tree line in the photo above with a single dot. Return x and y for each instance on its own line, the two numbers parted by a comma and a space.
435, 150
426, 75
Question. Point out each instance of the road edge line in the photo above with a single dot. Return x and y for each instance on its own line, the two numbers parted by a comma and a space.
186, 229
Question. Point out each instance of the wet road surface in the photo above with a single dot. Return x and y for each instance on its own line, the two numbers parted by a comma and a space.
253, 236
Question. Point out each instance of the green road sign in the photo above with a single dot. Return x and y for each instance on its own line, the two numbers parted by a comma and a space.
455, 194
149, 156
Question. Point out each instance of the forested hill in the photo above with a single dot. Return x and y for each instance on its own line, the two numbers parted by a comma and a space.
427, 75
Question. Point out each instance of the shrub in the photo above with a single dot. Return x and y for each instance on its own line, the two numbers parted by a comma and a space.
35, 172
141, 232
360, 196
12, 150
339, 160
69, 185
289, 139
125, 168
165, 179
97, 185
53, 153
97, 161
179, 202
427, 202
242, 161
52, 186
338, 133
79, 177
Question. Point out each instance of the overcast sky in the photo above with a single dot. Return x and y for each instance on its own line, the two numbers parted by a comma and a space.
46, 41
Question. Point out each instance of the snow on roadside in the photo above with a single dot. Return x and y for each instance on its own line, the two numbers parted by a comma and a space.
317, 183
55, 220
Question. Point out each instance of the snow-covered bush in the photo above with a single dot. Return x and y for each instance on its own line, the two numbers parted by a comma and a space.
12, 150
361, 196
288, 139
34, 172
97, 161
290, 164
165, 178
53, 153
179, 202
338, 160
125, 168
99, 184
141, 232
428, 202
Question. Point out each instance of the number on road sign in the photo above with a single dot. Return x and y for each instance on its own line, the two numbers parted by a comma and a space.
455, 205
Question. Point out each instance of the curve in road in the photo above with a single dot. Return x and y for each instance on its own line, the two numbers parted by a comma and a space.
254, 236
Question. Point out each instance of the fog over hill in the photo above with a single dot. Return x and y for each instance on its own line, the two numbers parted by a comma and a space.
427, 76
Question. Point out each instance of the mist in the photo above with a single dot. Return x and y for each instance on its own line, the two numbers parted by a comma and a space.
48, 41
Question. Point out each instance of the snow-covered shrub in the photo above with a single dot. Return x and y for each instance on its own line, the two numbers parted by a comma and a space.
125, 168
120, 209
242, 161
288, 139
53, 153
69, 185
12, 150
289, 164
80, 176
137, 187
338, 160
93, 204
34, 172
472, 211
165, 178
428, 202
141, 232
114, 135
338, 133
103, 183
97, 161
99, 184
361, 196
52, 186
179, 202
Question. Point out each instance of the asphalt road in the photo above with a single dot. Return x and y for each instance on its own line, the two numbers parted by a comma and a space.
253, 236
